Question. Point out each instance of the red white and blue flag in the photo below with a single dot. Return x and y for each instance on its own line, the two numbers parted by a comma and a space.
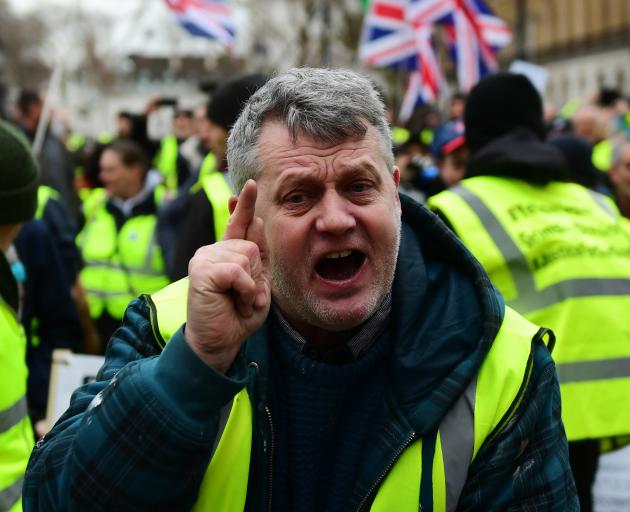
205, 18
475, 35
390, 40
398, 34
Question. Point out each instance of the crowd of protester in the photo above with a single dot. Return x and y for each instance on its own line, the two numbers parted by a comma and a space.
120, 215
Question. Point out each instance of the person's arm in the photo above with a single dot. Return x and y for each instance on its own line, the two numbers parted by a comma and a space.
527, 467
139, 437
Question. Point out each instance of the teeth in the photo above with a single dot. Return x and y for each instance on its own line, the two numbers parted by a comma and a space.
335, 255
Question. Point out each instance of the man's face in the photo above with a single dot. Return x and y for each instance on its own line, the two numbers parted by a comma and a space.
620, 173
182, 126
213, 136
332, 226
120, 180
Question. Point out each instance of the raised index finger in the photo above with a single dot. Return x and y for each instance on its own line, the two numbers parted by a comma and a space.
243, 213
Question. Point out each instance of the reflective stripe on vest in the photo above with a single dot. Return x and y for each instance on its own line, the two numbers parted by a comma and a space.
119, 265
44, 193
208, 166
166, 161
560, 254
477, 416
16, 435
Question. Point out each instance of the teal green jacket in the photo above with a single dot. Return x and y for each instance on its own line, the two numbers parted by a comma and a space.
140, 437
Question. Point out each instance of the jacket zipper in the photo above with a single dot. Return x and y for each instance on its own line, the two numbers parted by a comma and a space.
270, 458
389, 466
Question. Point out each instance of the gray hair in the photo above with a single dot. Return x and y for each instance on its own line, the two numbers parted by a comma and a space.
326, 105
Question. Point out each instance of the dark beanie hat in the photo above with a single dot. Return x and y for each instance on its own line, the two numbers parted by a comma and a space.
229, 98
497, 105
19, 177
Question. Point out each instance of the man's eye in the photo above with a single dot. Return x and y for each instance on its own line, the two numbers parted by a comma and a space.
296, 198
358, 187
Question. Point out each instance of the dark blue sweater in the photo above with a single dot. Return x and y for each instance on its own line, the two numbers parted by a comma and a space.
323, 414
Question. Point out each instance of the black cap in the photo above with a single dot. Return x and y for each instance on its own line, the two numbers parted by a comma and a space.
229, 98
497, 105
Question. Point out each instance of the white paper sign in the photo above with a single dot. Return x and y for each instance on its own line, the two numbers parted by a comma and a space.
537, 75
69, 371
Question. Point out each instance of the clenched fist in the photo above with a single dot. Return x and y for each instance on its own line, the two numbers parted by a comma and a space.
230, 290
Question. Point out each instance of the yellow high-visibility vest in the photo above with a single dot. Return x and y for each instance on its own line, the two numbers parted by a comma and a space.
479, 415
119, 265
603, 155
560, 255
16, 434
44, 194
217, 191
166, 161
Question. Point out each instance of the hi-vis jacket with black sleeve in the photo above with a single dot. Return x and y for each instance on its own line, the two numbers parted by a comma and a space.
471, 421
560, 255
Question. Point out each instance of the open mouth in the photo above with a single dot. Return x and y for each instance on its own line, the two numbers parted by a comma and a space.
340, 266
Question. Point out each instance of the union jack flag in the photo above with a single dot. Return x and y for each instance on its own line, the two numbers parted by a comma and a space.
390, 40
205, 18
475, 35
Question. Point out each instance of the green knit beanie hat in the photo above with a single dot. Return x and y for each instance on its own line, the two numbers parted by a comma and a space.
19, 177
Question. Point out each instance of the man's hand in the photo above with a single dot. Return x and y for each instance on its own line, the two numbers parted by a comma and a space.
230, 289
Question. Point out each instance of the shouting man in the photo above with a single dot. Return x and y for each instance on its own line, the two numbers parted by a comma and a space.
339, 349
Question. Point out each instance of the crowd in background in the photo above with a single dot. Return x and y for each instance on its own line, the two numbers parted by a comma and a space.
121, 214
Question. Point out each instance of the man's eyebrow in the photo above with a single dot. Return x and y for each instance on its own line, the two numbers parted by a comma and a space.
361, 167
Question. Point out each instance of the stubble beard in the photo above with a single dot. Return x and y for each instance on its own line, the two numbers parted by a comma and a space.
308, 308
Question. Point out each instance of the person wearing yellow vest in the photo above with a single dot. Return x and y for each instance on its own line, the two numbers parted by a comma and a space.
18, 201
168, 160
339, 349
206, 212
558, 252
120, 239
620, 176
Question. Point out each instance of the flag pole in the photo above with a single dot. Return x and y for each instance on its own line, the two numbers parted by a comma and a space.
53, 88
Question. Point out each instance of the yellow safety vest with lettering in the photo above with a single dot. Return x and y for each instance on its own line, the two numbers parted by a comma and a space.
16, 434
166, 161
481, 413
119, 265
217, 191
560, 255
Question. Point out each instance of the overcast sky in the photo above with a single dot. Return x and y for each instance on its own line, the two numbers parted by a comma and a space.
120, 6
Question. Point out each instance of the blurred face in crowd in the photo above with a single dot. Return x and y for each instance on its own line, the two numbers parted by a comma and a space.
453, 166
587, 123
213, 137
182, 126
332, 225
124, 126
456, 110
120, 180
30, 117
620, 173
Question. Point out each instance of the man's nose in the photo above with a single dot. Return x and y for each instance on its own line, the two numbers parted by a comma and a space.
335, 215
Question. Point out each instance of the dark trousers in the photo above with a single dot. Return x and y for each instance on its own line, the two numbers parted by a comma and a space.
583, 456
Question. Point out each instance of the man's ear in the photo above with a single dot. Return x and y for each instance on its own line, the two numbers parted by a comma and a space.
232, 204
396, 176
